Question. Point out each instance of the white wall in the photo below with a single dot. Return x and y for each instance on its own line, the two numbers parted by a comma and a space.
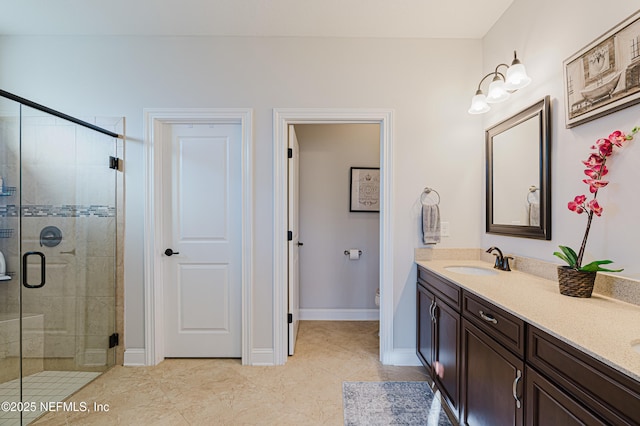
545, 33
330, 283
428, 83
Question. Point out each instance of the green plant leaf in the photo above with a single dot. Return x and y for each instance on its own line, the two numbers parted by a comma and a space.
595, 266
562, 256
610, 270
568, 255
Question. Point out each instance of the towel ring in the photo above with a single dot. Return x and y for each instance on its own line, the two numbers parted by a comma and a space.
426, 192
532, 189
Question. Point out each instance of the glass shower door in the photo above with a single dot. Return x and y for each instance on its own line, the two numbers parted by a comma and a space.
68, 257
9, 262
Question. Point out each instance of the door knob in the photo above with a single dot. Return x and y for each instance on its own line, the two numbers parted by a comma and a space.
170, 252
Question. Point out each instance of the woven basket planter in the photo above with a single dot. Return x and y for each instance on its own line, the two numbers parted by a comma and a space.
575, 283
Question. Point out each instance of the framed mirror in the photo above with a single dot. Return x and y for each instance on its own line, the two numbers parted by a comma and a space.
518, 177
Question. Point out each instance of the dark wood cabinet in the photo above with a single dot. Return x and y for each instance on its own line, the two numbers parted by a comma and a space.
496, 369
438, 337
425, 326
493, 343
447, 353
587, 383
492, 381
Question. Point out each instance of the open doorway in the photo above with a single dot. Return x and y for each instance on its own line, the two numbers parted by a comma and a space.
282, 119
337, 284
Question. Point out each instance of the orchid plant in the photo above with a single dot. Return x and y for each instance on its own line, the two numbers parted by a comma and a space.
595, 171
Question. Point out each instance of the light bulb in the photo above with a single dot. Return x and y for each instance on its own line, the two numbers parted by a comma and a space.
479, 104
497, 92
517, 77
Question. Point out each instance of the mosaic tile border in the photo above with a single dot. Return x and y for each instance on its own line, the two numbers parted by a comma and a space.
64, 210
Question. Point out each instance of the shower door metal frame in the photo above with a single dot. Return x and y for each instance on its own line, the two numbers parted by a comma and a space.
39, 107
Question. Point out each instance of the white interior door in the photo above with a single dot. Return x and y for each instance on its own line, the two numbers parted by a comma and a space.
202, 227
294, 243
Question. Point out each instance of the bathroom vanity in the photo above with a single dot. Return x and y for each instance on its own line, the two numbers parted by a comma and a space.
506, 348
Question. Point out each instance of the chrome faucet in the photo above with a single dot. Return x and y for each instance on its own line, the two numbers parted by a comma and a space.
502, 262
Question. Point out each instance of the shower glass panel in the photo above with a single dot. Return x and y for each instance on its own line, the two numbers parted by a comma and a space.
59, 214
10, 249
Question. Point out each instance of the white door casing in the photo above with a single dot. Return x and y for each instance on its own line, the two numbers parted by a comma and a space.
294, 246
201, 222
282, 118
154, 121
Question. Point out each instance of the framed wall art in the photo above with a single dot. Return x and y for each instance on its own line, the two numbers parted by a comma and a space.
604, 76
365, 189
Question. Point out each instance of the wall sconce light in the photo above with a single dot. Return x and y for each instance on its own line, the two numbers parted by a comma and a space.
501, 86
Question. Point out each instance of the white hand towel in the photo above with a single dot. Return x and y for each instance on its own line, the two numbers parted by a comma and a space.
534, 214
431, 223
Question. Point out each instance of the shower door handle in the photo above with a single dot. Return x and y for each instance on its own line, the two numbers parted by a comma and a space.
25, 270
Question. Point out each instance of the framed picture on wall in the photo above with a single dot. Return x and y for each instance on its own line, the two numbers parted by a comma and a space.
604, 76
365, 189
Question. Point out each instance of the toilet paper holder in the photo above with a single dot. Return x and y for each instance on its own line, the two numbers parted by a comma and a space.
346, 252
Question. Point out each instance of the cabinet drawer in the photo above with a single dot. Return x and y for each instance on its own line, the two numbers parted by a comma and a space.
506, 328
606, 391
447, 291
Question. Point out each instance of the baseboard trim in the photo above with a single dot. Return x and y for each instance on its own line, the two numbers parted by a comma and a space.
404, 357
135, 357
260, 357
340, 314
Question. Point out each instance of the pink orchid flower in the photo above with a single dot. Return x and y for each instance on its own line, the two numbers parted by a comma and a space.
597, 171
580, 199
595, 184
595, 207
618, 138
593, 160
604, 146
577, 205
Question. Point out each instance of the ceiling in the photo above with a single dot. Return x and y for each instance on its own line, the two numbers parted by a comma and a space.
304, 18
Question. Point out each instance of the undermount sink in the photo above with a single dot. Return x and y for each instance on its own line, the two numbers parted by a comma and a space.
636, 345
471, 270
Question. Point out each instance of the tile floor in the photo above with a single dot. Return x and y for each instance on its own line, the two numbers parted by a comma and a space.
305, 391
40, 390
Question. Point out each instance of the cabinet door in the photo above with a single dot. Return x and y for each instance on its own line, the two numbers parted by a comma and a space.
595, 385
492, 380
549, 406
447, 353
425, 327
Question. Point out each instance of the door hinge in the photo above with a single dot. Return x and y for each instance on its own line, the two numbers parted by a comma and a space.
289, 236
114, 340
290, 318
114, 163
290, 153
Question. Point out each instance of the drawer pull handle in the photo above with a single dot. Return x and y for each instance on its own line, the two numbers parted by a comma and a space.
433, 311
515, 388
488, 317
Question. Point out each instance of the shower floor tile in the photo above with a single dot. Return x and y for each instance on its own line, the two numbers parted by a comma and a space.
40, 389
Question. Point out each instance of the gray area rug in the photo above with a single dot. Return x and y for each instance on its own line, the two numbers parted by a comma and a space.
391, 403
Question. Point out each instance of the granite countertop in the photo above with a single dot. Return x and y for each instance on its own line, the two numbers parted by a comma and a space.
603, 327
